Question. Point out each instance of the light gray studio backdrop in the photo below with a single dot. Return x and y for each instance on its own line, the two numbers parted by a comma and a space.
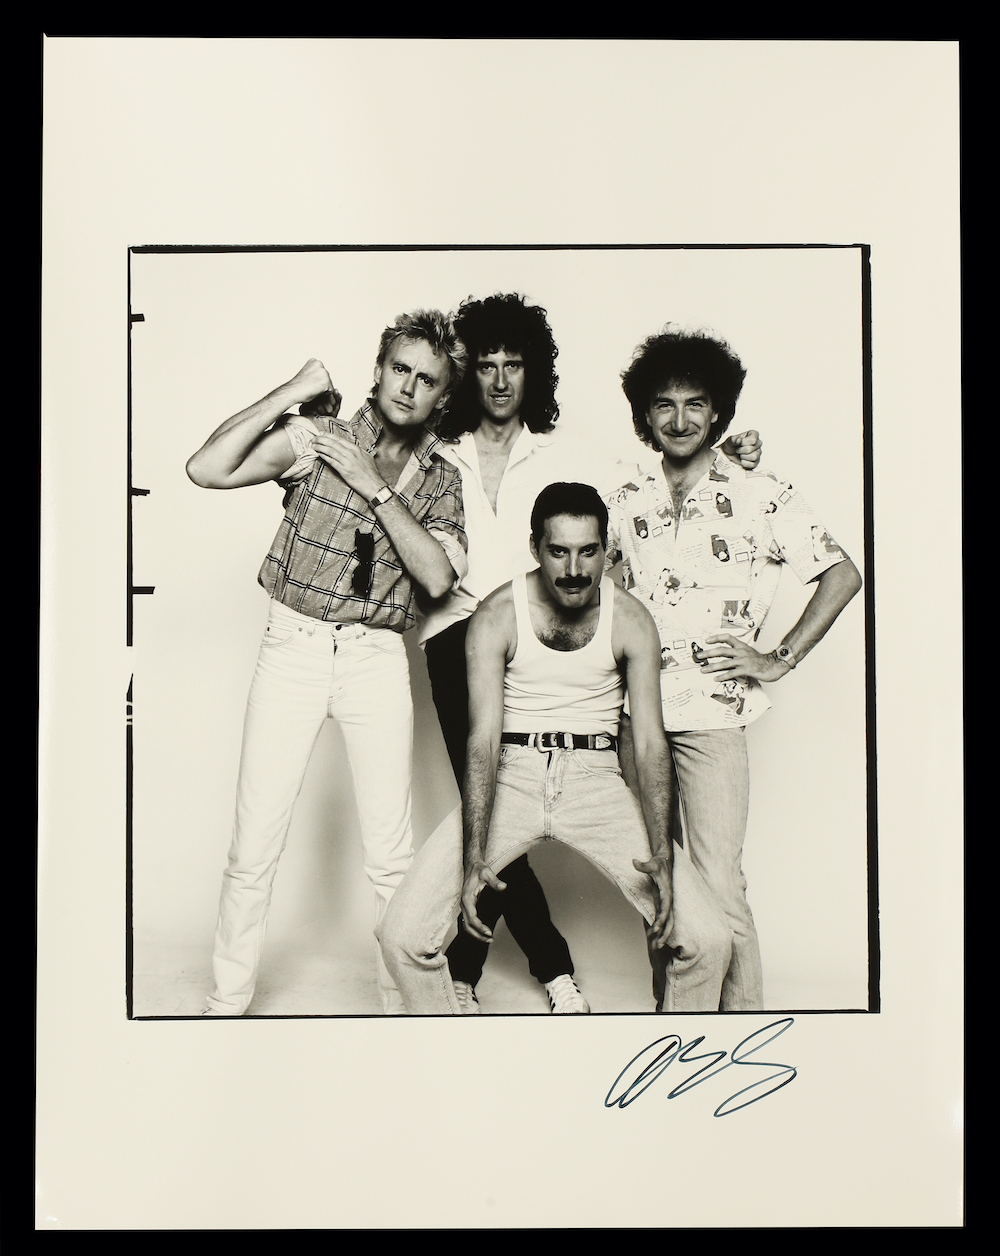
479, 1122
221, 330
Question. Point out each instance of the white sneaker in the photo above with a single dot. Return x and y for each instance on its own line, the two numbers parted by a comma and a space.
564, 995
467, 1000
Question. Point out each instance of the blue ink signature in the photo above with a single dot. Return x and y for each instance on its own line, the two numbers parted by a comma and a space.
645, 1068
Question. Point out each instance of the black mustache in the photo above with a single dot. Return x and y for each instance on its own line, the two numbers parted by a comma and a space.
574, 582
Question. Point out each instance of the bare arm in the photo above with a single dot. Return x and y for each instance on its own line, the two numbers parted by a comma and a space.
421, 555
638, 647
242, 451
489, 643
730, 659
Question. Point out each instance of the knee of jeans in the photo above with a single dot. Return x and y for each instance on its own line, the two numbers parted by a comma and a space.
712, 945
716, 944
400, 943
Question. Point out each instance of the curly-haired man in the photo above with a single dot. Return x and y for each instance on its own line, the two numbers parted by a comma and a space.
501, 429
702, 543
502, 434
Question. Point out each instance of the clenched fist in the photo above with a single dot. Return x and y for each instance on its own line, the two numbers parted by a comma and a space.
313, 389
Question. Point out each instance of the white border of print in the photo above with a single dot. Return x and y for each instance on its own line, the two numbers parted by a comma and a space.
159, 1127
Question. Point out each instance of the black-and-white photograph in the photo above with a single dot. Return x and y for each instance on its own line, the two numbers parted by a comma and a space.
575, 535
480, 697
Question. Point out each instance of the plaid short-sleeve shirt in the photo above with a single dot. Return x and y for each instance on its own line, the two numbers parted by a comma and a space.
312, 559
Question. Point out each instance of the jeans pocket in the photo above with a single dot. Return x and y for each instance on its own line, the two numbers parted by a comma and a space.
385, 641
509, 755
274, 635
598, 762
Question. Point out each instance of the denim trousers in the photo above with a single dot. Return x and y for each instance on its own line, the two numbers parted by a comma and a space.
522, 904
713, 786
309, 670
578, 798
713, 781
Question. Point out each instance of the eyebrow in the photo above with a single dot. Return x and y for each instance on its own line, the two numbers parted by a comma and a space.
406, 366
661, 395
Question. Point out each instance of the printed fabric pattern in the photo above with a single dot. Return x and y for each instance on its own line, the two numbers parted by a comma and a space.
713, 569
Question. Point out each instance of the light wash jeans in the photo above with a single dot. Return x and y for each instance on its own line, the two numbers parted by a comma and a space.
308, 670
713, 780
576, 797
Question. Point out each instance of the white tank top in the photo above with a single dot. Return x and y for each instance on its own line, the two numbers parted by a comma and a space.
562, 691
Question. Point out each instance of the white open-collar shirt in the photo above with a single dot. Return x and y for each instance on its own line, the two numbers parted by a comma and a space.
498, 542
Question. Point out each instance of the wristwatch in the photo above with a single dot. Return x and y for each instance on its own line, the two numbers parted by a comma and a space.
784, 655
384, 495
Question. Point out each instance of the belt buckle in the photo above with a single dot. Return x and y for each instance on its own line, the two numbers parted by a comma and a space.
602, 742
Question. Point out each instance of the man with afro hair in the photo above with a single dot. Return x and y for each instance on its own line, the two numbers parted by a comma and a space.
702, 543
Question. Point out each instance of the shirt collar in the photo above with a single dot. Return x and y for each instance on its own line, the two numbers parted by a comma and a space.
366, 428
526, 443
722, 470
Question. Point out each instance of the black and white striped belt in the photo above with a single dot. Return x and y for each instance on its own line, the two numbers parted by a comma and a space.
561, 741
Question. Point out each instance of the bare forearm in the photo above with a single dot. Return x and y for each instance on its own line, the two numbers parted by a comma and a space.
726, 658
241, 451
655, 777
419, 552
219, 460
834, 589
478, 793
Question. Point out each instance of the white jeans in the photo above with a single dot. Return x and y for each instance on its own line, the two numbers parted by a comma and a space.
308, 670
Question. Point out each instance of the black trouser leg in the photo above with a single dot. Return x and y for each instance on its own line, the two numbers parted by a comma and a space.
522, 904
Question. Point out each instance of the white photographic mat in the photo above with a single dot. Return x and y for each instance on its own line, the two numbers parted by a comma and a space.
312, 1113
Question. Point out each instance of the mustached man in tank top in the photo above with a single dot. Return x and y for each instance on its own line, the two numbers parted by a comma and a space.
550, 657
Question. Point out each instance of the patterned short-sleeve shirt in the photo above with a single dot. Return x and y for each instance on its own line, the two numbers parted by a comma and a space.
713, 569
312, 560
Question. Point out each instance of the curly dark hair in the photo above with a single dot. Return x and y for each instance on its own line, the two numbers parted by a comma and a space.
505, 322
689, 357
